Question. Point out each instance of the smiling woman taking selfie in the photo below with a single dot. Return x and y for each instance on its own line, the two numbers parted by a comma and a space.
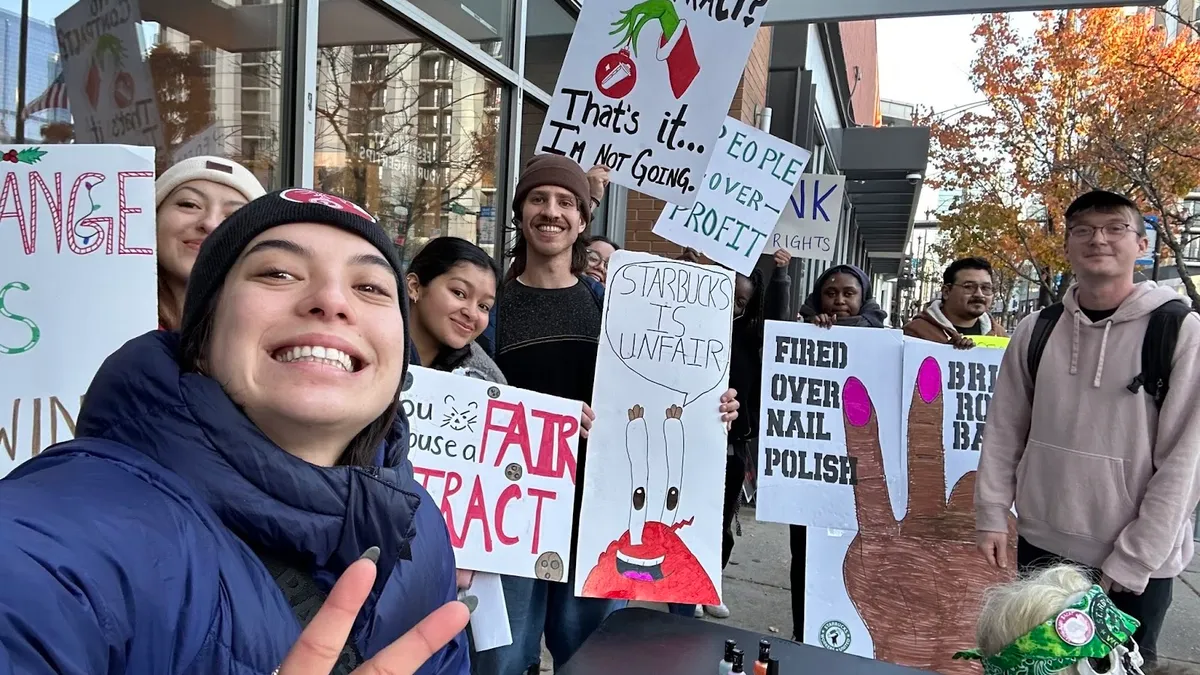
192, 198
222, 478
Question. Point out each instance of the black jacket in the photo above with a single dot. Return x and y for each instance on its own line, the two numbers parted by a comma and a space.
745, 367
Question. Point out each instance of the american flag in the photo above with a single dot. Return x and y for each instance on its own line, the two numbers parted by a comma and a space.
55, 97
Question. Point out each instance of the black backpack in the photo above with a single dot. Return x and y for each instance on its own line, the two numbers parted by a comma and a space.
1158, 346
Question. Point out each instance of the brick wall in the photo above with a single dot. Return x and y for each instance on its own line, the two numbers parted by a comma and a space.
751, 96
860, 48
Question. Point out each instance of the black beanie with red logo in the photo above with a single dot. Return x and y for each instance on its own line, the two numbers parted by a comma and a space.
283, 207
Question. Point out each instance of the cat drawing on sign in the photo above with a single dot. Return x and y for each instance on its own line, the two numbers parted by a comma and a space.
650, 561
460, 420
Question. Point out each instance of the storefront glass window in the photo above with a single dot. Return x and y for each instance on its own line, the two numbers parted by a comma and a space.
533, 115
409, 132
485, 23
190, 78
546, 38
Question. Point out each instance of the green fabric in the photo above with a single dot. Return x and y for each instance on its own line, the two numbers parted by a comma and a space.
1048, 647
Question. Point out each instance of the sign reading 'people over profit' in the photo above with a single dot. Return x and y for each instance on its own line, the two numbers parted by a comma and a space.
747, 185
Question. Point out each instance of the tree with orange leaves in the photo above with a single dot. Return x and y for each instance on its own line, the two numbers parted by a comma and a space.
1095, 98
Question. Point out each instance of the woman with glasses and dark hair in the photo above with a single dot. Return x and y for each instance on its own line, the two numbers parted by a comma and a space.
599, 250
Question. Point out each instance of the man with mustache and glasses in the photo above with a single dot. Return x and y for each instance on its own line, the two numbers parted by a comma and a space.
962, 310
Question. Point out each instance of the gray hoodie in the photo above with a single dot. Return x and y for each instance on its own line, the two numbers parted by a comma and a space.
1098, 474
476, 363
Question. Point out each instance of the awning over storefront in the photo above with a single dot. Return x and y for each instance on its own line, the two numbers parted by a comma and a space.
342, 22
884, 168
817, 11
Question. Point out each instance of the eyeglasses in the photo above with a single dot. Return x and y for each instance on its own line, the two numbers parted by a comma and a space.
1111, 231
972, 287
595, 259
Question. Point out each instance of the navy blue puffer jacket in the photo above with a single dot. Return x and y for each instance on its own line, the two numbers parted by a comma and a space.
129, 549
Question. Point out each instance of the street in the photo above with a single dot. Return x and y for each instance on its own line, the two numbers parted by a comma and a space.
757, 586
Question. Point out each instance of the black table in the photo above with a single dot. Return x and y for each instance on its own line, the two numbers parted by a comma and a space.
639, 641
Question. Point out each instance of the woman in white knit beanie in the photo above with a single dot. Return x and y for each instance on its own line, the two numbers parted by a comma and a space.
193, 197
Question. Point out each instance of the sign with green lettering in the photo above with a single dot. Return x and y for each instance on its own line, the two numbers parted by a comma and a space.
749, 180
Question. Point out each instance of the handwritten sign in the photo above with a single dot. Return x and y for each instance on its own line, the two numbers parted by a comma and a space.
808, 227
644, 88
650, 523
208, 142
968, 381
500, 461
815, 383
109, 87
915, 524
77, 280
748, 183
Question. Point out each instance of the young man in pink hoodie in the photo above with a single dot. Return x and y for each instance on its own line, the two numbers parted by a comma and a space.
1099, 474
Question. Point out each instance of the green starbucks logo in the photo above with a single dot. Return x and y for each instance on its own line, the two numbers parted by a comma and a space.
835, 635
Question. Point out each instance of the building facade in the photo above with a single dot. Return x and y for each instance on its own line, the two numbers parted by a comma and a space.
425, 111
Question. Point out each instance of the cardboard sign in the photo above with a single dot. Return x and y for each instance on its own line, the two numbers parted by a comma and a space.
644, 88
77, 280
650, 524
814, 388
914, 525
109, 87
808, 227
500, 462
968, 381
748, 183
207, 142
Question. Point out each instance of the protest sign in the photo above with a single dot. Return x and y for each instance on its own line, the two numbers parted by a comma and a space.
650, 524
916, 534
813, 378
990, 341
500, 462
644, 88
210, 141
968, 379
490, 627
808, 227
109, 87
77, 280
739, 200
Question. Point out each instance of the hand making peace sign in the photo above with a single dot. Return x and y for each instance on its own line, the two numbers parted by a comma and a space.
916, 582
317, 650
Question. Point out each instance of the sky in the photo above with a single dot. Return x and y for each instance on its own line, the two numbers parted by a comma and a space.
927, 61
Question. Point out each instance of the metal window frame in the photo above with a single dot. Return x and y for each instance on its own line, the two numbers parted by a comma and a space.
303, 100
433, 30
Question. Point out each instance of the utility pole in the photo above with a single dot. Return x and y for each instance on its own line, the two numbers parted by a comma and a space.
22, 57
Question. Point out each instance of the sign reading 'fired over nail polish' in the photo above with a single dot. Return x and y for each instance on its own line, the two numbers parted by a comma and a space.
825, 392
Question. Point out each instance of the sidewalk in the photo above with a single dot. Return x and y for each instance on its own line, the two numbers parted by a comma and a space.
757, 590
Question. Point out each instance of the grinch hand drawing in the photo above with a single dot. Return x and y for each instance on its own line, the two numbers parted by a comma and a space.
616, 73
109, 48
649, 561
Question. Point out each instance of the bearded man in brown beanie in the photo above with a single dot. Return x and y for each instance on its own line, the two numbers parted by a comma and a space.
544, 333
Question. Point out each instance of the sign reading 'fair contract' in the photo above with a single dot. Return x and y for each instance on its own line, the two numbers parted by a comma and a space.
500, 462
747, 184
644, 89
77, 280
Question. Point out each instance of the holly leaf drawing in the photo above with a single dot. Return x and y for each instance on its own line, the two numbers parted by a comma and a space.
30, 155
